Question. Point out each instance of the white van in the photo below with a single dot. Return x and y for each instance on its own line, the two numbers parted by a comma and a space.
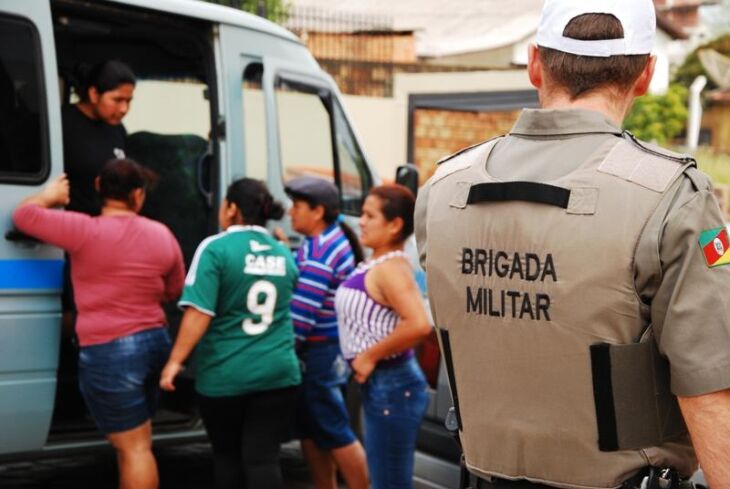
221, 94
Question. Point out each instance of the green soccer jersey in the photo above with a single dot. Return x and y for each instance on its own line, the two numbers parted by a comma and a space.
245, 279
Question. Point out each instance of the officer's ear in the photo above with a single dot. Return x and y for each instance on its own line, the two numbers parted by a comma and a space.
534, 66
641, 85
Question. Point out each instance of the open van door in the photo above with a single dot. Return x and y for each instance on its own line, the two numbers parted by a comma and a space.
30, 272
291, 118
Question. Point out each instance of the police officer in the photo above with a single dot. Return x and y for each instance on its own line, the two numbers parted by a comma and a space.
576, 279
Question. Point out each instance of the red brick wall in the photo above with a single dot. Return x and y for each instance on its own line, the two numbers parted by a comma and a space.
382, 47
438, 133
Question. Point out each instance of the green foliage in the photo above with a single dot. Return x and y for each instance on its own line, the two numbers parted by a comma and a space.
716, 165
274, 10
692, 66
659, 117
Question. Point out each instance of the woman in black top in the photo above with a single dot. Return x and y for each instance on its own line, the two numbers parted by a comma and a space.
92, 129
93, 134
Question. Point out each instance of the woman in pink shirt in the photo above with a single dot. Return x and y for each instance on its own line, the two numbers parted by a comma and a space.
123, 267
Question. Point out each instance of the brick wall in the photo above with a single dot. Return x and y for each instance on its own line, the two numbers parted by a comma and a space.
717, 119
438, 133
389, 47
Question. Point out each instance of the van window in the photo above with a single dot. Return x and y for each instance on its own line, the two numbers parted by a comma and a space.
354, 174
305, 135
169, 107
254, 122
23, 139
168, 128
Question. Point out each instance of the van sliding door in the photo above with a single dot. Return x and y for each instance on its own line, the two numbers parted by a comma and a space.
30, 272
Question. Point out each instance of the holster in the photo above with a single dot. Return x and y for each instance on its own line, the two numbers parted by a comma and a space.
635, 407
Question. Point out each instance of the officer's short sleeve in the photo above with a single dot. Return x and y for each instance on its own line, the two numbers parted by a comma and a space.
690, 311
202, 281
420, 222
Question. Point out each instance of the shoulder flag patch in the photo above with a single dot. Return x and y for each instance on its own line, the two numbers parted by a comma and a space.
715, 246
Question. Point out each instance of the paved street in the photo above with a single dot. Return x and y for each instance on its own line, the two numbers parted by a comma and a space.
188, 467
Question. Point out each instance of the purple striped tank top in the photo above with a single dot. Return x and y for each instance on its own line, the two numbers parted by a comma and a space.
363, 321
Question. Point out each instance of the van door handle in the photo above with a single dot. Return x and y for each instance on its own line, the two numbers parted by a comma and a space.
200, 167
15, 236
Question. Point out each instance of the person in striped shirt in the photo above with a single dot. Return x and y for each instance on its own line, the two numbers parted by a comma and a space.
326, 257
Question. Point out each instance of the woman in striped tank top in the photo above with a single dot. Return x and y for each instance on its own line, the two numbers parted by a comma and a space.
381, 318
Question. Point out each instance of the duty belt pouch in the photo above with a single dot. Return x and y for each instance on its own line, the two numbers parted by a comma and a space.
634, 405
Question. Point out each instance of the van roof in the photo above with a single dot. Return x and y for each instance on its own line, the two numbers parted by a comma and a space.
216, 13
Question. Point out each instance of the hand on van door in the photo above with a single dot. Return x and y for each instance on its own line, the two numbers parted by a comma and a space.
55, 193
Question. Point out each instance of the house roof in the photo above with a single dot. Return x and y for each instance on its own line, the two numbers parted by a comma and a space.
469, 25
441, 28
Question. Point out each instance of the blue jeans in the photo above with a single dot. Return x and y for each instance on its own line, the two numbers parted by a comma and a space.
322, 414
395, 399
119, 379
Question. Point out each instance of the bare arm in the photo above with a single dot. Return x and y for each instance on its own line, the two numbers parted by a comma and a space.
708, 419
175, 279
392, 284
35, 216
193, 326
55, 193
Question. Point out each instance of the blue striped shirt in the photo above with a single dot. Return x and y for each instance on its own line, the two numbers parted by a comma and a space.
324, 262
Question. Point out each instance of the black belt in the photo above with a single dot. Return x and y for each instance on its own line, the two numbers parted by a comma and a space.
479, 483
633, 483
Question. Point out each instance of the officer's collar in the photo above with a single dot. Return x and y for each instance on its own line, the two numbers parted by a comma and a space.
557, 122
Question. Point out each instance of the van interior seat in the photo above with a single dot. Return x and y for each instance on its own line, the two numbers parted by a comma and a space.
176, 199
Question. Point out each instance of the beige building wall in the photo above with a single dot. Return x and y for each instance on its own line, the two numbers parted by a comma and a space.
381, 129
493, 58
474, 81
382, 123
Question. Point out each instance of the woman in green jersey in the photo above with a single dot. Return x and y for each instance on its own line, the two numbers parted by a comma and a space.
236, 299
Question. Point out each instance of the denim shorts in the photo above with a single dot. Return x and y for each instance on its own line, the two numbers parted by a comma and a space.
119, 379
322, 414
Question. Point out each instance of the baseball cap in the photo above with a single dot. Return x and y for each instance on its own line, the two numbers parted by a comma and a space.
637, 17
314, 189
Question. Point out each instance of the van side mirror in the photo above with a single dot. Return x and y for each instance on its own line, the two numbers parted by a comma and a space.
407, 175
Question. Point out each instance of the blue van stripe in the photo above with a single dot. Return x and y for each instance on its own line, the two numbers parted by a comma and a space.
31, 274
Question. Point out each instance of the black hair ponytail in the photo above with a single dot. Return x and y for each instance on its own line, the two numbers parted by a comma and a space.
332, 214
254, 201
354, 241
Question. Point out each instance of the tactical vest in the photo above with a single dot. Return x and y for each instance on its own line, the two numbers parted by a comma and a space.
524, 280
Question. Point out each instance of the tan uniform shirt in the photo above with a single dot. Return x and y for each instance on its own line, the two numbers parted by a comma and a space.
684, 299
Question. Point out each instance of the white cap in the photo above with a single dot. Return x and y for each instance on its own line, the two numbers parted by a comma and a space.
637, 18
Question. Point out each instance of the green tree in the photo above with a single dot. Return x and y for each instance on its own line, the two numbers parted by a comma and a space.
274, 10
659, 117
692, 67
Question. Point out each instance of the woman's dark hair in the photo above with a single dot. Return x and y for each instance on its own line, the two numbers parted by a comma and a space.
254, 201
119, 178
354, 241
396, 201
104, 76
